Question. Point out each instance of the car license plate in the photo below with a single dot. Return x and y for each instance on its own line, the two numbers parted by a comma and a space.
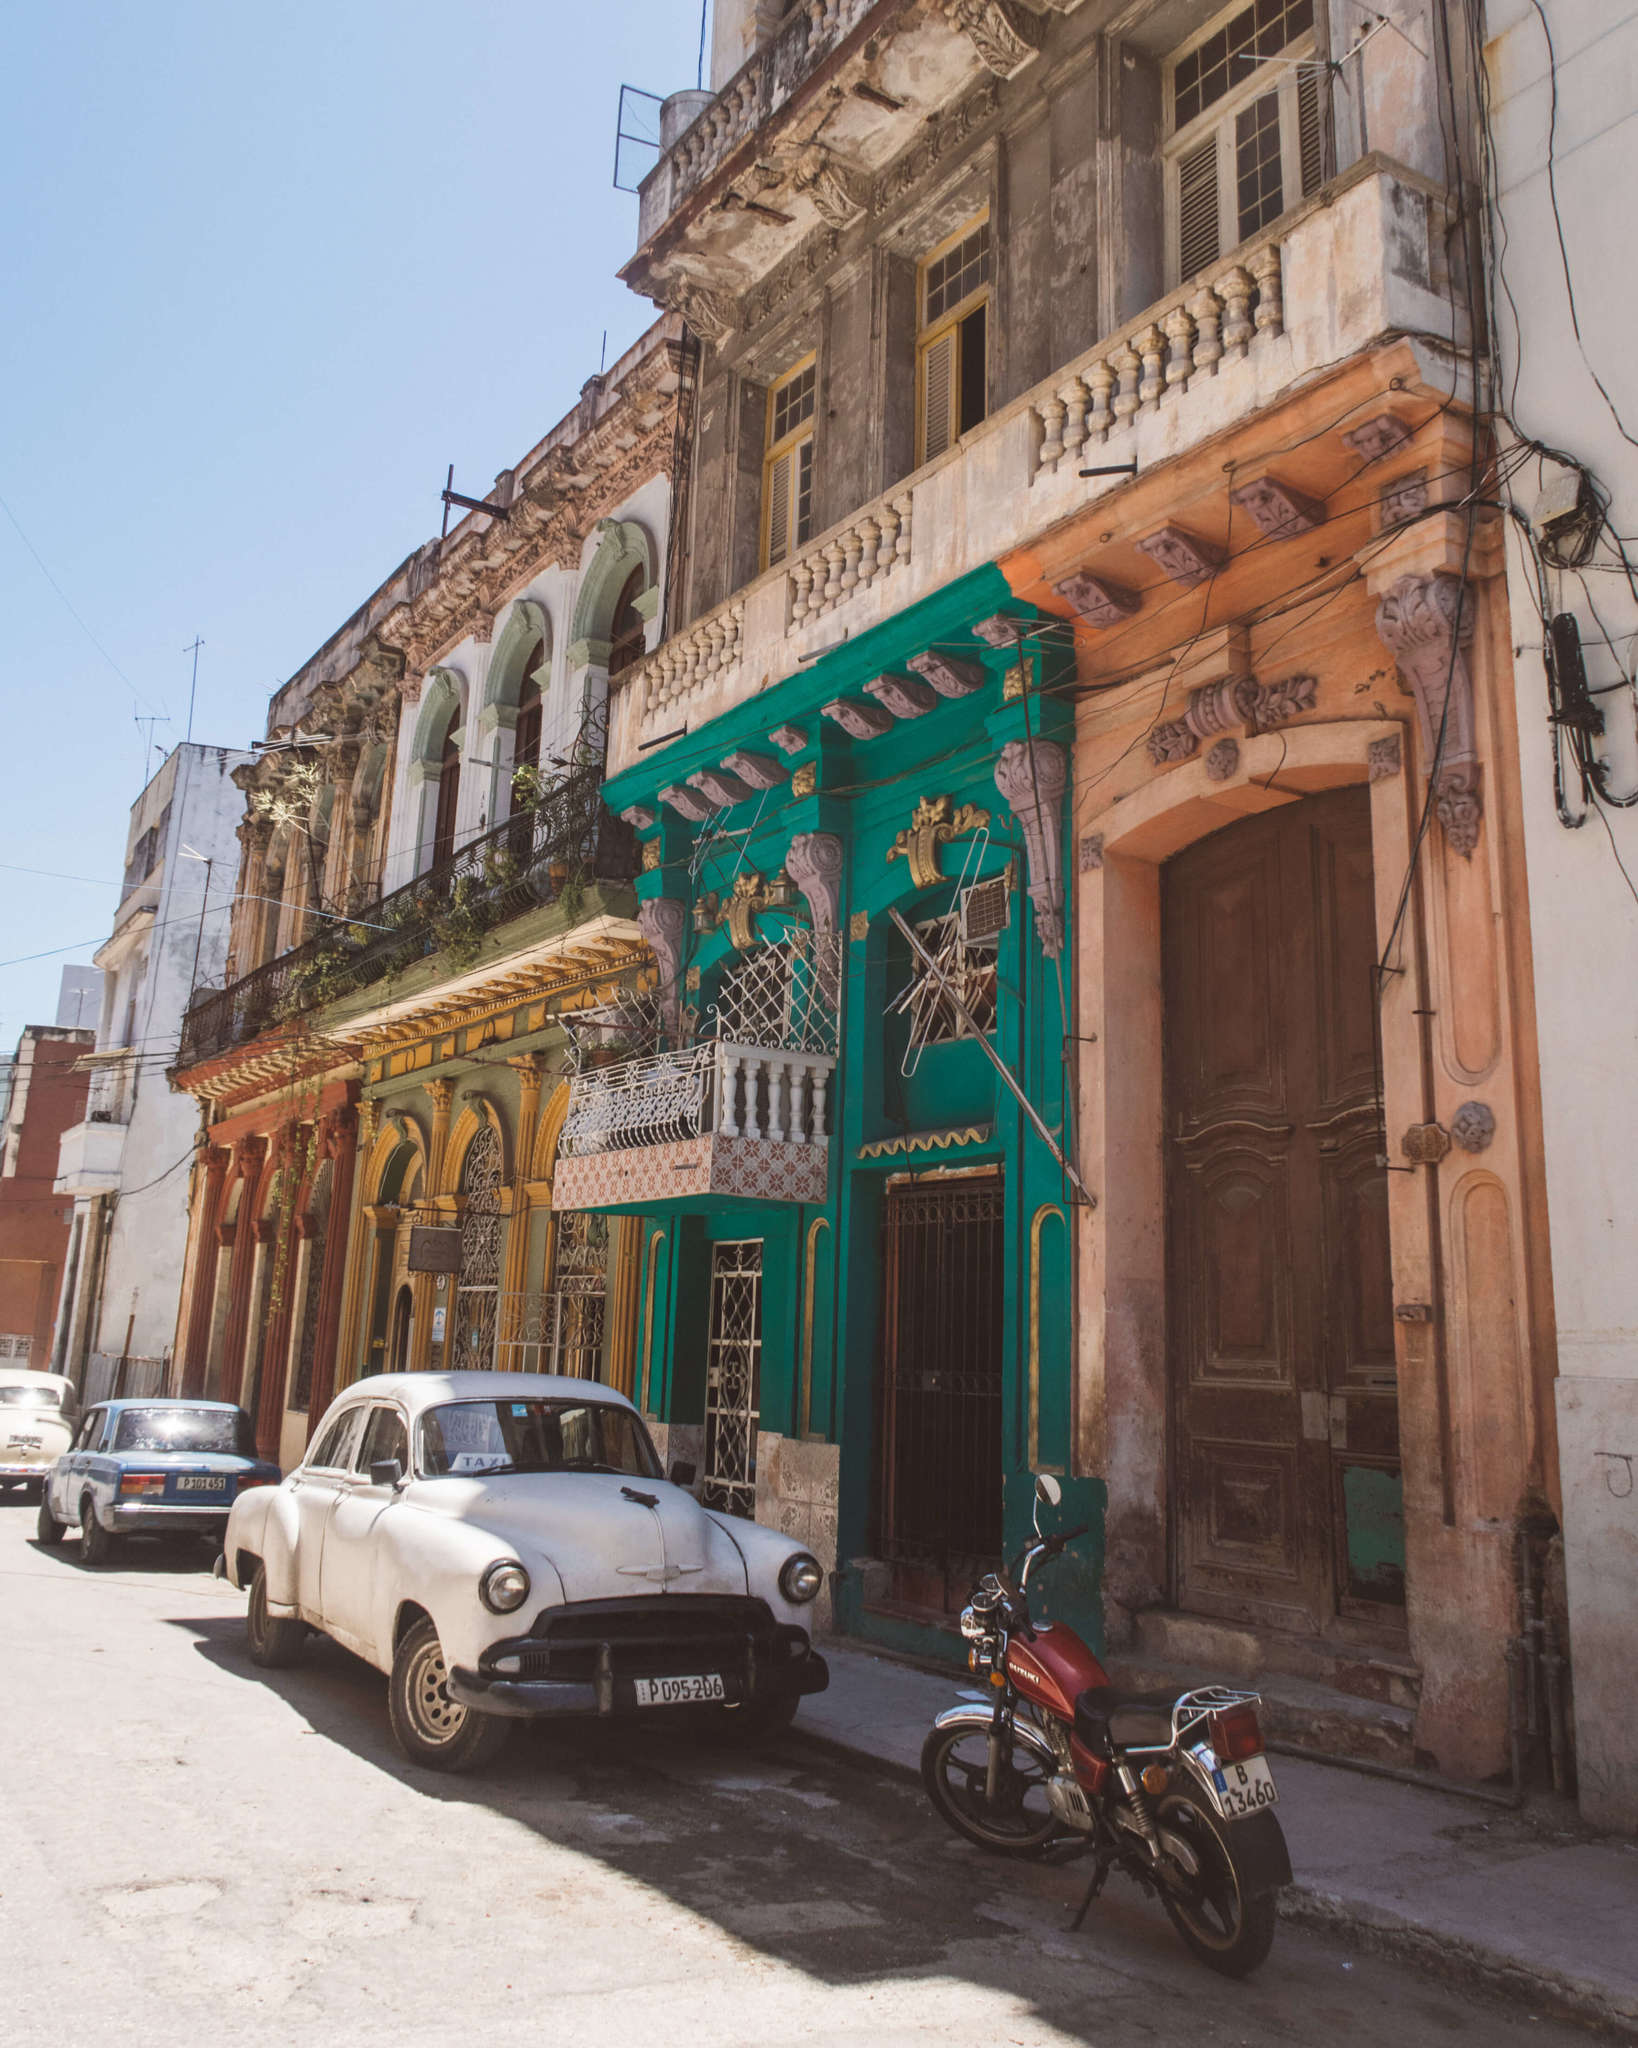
201, 1486
677, 1692
1245, 1788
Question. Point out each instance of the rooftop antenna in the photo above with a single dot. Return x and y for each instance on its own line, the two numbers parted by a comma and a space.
603, 354
451, 496
194, 685
150, 720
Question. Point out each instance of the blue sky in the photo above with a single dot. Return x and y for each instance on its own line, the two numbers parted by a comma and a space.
269, 270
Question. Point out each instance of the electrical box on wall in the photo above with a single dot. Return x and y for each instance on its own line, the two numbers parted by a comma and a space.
434, 1250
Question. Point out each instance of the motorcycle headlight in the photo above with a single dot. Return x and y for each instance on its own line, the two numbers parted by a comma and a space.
800, 1578
504, 1586
973, 1624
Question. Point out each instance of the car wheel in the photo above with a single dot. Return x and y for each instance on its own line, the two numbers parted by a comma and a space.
46, 1526
274, 1639
428, 1726
96, 1545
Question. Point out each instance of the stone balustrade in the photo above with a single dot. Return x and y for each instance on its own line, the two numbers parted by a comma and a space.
1226, 343
763, 1093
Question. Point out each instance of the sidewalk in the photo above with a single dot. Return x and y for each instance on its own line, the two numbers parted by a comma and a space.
1529, 1898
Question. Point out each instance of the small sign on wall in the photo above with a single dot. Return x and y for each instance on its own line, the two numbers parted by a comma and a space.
434, 1250
438, 1324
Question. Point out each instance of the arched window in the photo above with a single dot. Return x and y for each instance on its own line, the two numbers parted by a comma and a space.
449, 787
626, 632
526, 734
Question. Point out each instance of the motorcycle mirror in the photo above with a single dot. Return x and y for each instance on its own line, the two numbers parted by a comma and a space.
1047, 1490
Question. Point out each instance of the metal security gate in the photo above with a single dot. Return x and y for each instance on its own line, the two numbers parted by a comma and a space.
562, 1329
477, 1294
733, 1377
938, 1481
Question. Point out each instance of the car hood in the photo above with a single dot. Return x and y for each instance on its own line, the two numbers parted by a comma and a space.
604, 1535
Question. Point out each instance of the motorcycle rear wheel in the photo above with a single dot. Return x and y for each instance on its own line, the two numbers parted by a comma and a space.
1220, 1919
955, 1769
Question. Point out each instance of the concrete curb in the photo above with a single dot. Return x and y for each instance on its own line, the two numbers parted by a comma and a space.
1368, 1927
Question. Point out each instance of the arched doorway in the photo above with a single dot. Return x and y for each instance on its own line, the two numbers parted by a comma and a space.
477, 1294
626, 630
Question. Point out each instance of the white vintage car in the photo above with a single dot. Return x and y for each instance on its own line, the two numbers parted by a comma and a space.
503, 1545
36, 1426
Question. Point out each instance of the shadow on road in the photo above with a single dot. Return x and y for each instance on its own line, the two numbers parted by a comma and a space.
168, 1554
837, 1872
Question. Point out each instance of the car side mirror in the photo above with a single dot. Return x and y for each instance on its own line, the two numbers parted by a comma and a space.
386, 1472
682, 1473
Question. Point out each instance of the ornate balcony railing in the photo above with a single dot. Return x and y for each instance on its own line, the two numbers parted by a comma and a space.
538, 857
737, 1091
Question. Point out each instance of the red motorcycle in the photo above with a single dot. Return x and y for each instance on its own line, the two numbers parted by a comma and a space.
1174, 1792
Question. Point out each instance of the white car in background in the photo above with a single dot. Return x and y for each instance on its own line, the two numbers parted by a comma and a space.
36, 1426
503, 1545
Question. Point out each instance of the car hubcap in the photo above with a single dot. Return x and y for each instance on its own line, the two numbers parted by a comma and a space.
439, 1716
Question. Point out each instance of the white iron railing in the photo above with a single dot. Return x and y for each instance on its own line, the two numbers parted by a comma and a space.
739, 1091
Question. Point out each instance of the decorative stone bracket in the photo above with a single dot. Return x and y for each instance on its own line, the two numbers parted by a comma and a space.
1426, 624
1260, 707
1005, 35
662, 919
814, 864
1032, 775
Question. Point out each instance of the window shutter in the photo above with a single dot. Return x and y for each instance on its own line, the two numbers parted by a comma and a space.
779, 509
937, 394
1310, 132
1198, 229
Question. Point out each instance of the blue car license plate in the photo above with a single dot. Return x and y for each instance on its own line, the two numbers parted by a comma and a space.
201, 1486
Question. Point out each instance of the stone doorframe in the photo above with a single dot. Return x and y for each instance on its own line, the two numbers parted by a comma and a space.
1124, 1397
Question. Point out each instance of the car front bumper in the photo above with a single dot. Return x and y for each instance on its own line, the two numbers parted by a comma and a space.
586, 1659
12, 1468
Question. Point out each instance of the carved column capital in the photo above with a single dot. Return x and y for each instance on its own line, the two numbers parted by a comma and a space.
1005, 35
663, 919
1426, 624
814, 864
1032, 775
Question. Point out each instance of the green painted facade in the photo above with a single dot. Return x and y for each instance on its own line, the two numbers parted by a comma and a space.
821, 1348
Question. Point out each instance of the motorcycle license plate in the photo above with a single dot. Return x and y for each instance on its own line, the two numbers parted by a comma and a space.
679, 1692
1245, 1788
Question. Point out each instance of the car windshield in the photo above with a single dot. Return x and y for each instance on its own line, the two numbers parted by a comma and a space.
223, 1430
534, 1436
30, 1397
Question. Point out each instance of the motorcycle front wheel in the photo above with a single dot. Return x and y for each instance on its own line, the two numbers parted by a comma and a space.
955, 1768
1220, 1917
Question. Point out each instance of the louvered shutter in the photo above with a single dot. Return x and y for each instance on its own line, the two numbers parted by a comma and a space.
779, 509
938, 395
1310, 132
1198, 226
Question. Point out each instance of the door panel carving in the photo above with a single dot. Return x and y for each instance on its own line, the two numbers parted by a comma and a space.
1279, 1300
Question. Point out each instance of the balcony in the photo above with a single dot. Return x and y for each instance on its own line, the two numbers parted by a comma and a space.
541, 857
744, 1112
88, 1158
1359, 263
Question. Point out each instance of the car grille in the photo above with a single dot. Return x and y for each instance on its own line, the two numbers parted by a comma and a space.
650, 1637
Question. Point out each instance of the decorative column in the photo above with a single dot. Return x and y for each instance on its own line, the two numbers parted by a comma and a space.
1032, 776
245, 922
208, 1209
339, 1143
530, 1069
423, 1294
1426, 624
359, 1267
625, 1288
248, 1155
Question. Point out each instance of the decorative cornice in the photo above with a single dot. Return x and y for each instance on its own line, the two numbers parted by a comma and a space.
909, 1142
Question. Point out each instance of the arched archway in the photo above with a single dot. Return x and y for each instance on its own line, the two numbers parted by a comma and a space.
435, 768
621, 581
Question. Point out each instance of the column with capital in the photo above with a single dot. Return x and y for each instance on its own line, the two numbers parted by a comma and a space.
339, 1141
530, 1069
423, 1294
248, 1155
207, 1213
350, 1342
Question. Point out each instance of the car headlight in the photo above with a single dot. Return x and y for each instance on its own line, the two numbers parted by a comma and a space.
504, 1586
800, 1578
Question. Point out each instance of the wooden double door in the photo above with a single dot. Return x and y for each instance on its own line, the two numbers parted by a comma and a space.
1285, 1483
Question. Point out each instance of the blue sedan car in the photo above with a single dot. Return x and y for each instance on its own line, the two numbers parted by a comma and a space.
151, 1468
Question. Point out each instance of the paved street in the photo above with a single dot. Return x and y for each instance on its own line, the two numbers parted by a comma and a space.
191, 1846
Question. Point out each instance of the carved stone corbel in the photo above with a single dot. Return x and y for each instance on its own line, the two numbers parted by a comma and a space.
1032, 776
839, 194
711, 314
814, 864
1005, 35
662, 920
950, 677
1426, 624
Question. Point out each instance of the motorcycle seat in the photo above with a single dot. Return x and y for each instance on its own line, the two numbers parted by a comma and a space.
1107, 1719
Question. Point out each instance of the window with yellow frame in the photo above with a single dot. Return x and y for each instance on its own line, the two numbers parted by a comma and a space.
952, 339
787, 465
